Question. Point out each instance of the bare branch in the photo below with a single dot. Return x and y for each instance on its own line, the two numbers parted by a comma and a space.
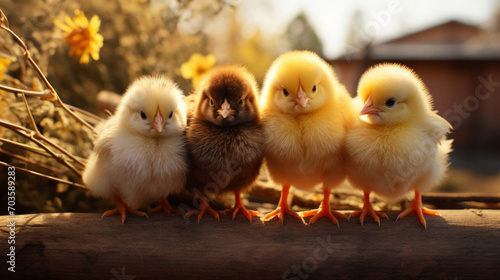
27, 160
33, 123
53, 94
32, 149
3, 20
89, 117
59, 103
46, 176
29, 134
40, 94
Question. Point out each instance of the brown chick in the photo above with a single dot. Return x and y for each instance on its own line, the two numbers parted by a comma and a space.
225, 138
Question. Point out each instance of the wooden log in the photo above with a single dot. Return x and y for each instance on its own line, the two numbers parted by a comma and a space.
460, 197
461, 244
462, 200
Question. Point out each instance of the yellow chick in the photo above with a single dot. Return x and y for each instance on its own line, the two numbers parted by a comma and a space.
398, 142
306, 113
139, 155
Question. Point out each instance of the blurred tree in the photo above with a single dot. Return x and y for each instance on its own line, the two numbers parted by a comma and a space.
354, 41
490, 34
302, 36
254, 50
256, 55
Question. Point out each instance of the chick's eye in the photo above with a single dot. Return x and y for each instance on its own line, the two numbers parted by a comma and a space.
390, 102
211, 102
285, 92
241, 101
143, 115
314, 88
171, 114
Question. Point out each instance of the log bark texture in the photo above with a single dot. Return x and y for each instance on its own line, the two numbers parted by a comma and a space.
461, 244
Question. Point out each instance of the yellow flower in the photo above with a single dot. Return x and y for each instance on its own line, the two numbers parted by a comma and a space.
82, 35
196, 67
4, 65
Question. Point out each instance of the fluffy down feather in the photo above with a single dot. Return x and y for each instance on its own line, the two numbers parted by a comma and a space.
225, 136
139, 154
398, 144
304, 145
306, 114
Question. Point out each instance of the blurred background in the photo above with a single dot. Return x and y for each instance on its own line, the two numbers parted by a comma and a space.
453, 45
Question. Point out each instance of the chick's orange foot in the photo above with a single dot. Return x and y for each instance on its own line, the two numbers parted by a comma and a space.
282, 208
324, 210
418, 208
163, 206
242, 210
280, 212
204, 208
123, 209
368, 210
239, 207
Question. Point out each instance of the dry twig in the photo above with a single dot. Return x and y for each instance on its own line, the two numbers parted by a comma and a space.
49, 147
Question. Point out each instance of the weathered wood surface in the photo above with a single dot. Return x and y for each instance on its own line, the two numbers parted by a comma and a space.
452, 199
461, 244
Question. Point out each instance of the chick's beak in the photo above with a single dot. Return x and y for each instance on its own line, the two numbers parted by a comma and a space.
225, 109
302, 98
368, 109
158, 122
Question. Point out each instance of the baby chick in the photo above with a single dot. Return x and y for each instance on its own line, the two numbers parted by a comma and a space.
398, 143
139, 155
306, 113
225, 137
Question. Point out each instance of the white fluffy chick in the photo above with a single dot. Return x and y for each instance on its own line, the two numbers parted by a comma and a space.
398, 143
140, 155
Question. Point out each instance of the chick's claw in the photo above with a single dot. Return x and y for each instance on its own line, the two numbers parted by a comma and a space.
282, 208
204, 208
280, 212
322, 212
202, 212
417, 208
123, 209
368, 210
163, 206
243, 210
239, 207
